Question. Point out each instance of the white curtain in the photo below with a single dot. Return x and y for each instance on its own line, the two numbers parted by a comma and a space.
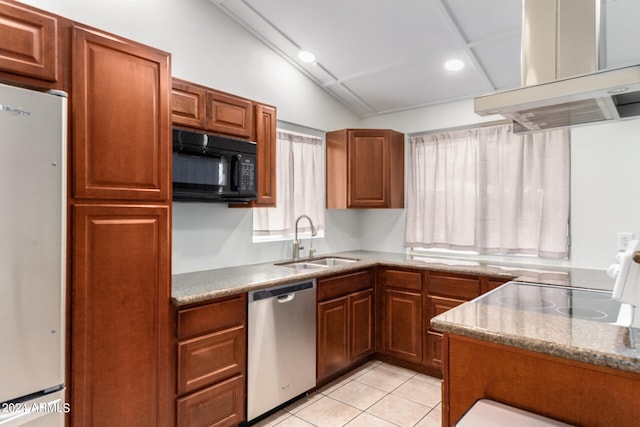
299, 187
490, 191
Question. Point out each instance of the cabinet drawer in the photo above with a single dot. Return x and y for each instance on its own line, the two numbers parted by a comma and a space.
403, 279
203, 361
219, 405
465, 288
344, 284
212, 317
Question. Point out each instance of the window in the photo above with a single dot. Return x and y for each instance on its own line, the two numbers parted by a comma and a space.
490, 191
299, 188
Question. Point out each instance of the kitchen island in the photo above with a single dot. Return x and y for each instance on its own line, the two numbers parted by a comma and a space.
567, 367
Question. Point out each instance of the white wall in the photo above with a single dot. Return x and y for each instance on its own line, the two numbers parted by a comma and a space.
605, 183
209, 48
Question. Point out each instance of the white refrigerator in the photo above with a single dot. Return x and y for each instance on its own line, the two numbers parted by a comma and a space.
33, 130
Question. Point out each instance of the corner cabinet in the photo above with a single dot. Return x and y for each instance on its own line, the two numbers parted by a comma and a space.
365, 169
120, 233
345, 323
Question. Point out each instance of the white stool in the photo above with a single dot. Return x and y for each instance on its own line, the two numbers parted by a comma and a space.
488, 413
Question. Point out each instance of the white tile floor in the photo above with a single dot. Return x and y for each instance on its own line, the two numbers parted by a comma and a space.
376, 394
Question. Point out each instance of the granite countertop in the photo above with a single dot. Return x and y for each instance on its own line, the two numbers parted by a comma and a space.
199, 286
597, 343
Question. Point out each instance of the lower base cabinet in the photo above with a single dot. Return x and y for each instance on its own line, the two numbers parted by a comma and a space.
345, 322
211, 363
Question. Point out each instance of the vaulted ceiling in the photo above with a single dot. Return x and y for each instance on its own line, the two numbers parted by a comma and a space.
380, 56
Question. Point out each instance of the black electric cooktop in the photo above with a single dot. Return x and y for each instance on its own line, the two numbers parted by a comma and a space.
589, 304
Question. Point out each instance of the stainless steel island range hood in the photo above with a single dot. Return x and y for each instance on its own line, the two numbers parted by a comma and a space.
561, 84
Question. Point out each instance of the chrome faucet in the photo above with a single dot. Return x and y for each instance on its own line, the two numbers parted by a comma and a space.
297, 245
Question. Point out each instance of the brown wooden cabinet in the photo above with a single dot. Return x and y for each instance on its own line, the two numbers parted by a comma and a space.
188, 104
229, 114
121, 128
573, 392
402, 314
211, 363
31, 48
345, 322
445, 291
365, 169
208, 109
120, 233
265, 137
119, 314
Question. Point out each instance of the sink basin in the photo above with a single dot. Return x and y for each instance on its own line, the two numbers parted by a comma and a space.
317, 263
332, 261
302, 265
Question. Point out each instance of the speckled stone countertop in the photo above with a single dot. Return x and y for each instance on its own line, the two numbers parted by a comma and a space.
199, 286
602, 344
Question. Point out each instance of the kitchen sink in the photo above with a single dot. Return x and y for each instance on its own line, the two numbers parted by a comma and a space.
302, 265
332, 261
323, 262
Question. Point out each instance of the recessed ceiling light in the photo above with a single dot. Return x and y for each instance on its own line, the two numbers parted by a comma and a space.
618, 90
306, 56
454, 65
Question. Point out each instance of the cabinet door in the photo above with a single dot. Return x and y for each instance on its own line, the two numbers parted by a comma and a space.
188, 104
266, 155
119, 316
333, 336
121, 126
229, 114
361, 324
433, 349
368, 169
402, 336
29, 43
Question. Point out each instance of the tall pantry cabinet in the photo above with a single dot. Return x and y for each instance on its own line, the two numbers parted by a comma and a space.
120, 232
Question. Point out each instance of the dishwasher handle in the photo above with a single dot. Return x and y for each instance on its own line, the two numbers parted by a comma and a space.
286, 298
281, 291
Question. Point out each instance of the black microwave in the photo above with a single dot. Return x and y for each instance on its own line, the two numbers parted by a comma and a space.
213, 168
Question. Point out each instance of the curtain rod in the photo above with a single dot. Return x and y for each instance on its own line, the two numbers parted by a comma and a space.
464, 127
301, 129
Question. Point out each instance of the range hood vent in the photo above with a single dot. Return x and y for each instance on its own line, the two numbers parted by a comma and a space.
551, 100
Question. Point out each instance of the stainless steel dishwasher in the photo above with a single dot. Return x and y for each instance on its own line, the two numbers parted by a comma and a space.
281, 361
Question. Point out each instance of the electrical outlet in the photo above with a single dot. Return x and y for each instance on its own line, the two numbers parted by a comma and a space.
624, 237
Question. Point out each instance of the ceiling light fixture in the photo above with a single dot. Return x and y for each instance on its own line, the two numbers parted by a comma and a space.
306, 56
454, 65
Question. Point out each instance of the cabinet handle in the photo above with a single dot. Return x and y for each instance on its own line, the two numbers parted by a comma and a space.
286, 298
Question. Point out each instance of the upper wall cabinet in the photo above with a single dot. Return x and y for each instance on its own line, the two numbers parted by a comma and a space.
205, 108
365, 169
121, 131
188, 104
29, 45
